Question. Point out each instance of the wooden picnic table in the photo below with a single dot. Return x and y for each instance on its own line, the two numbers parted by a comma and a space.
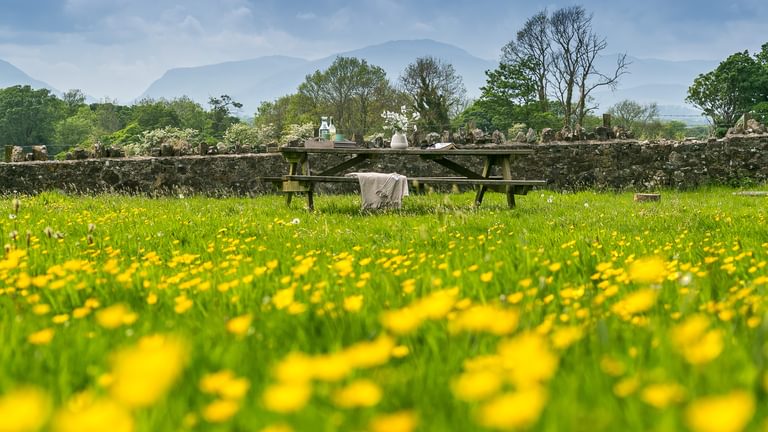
301, 179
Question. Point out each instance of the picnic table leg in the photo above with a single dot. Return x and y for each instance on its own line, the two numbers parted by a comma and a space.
292, 165
489, 162
310, 200
506, 172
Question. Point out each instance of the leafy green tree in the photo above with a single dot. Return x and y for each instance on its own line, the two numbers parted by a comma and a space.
221, 114
28, 116
286, 110
74, 99
351, 90
436, 90
191, 114
77, 129
151, 114
737, 84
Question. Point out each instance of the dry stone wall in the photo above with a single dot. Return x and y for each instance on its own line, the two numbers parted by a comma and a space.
616, 165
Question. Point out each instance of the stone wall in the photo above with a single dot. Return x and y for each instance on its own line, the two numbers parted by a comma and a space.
617, 165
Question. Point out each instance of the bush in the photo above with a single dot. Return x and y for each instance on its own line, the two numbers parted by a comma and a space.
182, 140
297, 132
240, 134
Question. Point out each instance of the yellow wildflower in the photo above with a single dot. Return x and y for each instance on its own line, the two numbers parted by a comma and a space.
353, 303
636, 302
528, 359
285, 398
662, 395
359, 393
220, 410
476, 385
42, 337
83, 414
115, 316
239, 325
401, 321
24, 410
695, 342
402, 421
485, 318
294, 368
566, 336
370, 354
726, 413
144, 372
647, 270
513, 410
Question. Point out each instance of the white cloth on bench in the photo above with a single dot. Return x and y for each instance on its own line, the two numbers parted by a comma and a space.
381, 191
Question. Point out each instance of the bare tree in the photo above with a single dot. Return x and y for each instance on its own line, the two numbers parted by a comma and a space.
631, 115
569, 30
532, 46
437, 92
590, 78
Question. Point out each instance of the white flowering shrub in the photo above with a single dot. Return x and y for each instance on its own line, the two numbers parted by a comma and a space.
400, 122
241, 134
297, 132
180, 139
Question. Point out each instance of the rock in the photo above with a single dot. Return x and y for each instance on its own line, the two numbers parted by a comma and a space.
446, 137
477, 136
531, 137
547, 135
520, 138
433, 138
753, 126
644, 197
498, 138
602, 133
579, 133
115, 152
166, 150
79, 154
40, 153
565, 134
17, 154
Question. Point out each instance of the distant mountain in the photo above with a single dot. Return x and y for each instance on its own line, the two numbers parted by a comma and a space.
232, 78
267, 78
10, 76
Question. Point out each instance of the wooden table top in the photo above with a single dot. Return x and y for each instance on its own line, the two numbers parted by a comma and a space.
521, 150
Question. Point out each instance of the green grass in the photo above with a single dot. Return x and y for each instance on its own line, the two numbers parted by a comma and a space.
714, 245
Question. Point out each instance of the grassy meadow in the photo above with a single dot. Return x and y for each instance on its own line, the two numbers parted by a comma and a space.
573, 312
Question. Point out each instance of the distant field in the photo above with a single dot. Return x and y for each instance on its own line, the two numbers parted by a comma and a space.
573, 312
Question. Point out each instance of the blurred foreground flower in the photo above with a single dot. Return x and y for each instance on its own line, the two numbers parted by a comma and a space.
726, 413
143, 373
24, 410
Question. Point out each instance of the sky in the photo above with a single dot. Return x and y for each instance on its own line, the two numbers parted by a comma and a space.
117, 48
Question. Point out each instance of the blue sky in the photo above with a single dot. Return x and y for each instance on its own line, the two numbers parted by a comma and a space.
116, 48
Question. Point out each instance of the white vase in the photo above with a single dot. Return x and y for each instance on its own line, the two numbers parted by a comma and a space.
399, 141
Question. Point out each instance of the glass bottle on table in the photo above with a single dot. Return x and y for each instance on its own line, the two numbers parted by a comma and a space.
324, 133
331, 130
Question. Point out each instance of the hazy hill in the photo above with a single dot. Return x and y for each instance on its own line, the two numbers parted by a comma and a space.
267, 78
10, 76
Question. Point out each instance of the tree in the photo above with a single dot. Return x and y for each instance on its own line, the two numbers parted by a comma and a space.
28, 116
350, 89
221, 114
737, 84
575, 48
632, 116
437, 92
191, 114
77, 129
151, 114
73, 99
531, 51
509, 96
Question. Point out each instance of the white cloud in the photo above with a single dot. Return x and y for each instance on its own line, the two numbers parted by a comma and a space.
306, 16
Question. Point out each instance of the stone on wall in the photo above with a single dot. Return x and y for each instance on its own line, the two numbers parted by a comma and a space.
547, 135
531, 137
17, 154
40, 153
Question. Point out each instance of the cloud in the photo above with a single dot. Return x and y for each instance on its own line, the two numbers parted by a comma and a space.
306, 16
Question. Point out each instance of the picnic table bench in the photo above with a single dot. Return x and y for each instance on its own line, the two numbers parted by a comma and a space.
300, 178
